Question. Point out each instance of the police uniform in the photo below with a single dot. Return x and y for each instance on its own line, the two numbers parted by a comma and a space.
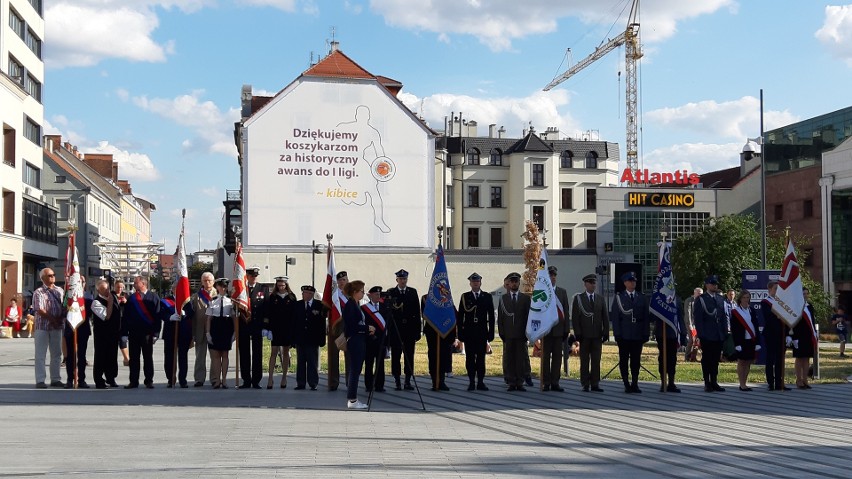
308, 335
552, 342
197, 312
775, 332
251, 339
378, 315
708, 312
512, 315
476, 329
406, 331
436, 347
141, 326
184, 321
590, 321
631, 328
672, 342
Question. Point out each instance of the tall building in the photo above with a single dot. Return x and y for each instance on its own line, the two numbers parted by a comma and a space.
28, 233
836, 194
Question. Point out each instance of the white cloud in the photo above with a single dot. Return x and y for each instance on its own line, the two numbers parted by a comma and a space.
213, 126
497, 23
131, 166
540, 108
694, 157
836, 31
61, 125
211, 191
731, 120
352, 7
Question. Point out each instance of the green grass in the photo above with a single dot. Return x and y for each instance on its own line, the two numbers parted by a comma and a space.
833, 369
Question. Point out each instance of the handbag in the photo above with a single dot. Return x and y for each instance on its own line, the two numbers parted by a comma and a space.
340, 342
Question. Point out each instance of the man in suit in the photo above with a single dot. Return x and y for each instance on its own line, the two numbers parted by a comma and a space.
512, 315
106, 323
591, 328
631, 327
476, 330
197, 311
141, 329
551, 343
171, 315
378, 316
708, 312
775, 334
309, 335
251, 337
405, 305
334, 331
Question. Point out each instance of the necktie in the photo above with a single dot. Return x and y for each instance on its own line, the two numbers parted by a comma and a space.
307, 307
514, 298
631, 296
475, 296
592, 298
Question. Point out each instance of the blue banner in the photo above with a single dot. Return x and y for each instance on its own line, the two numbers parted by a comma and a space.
440, 311
664, 302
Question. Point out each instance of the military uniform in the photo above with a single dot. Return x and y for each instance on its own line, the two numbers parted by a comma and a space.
197, 311
552, 342
476, 329
775, 332
309, 336
251, 339
708, 312
512, 315
631, 328
406, 330
590, 321
379, 316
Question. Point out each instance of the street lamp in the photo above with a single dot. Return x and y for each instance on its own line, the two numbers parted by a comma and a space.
288, 260
315, 250
750, 152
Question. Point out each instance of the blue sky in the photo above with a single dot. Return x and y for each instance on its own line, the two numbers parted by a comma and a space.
157, 82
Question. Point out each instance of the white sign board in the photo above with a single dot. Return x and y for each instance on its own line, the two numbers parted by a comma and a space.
341, 158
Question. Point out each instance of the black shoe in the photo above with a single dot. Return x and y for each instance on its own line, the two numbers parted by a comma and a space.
546, 387
170, 385
57, 384
332, 388
597, 389
398, 387
481, 387
628, 389
745, 388
184, 385
708, 389
471, 387
82, 385
198, 384
408, 387
785, 388
244, 386
443, 387
69, 385
672, 388
511, 388
256, 386
299, 388
314, 388
771, 388
149, 384
557, 389
585, 389
528, 382
132, 386
636, 389
520, 389
101, 386
718, 388
112, 384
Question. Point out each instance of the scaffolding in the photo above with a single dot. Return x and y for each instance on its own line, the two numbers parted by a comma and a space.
128, 260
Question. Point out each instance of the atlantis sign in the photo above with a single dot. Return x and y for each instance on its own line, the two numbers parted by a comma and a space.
645, 177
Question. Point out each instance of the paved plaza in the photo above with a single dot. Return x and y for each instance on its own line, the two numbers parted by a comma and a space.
200, 432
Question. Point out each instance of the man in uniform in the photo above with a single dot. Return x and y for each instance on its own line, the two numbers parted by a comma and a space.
591, 328
476, 330
775, 334
438, 348
141, 329
378, 316
309, 335
552, 342
690, 324
334, 331
405, 305
512, 315
251, 337
708, 311
631, 327
183, 319
197, 311
107, 321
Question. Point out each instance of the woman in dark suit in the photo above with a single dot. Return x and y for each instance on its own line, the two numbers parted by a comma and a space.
278, 327
744, 333
356, 330
804, 339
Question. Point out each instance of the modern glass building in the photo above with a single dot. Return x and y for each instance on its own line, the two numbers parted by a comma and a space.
802, 144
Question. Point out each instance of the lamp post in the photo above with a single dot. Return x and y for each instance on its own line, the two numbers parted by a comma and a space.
749, 153
315, 250
443, 160
288, 260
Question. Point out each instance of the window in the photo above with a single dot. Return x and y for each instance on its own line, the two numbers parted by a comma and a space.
496, 196
496, 157
64, 207
779, 212
473, 237
808, 209
473, 196
566, 159
591, 199
567, 238
538, 217
37, 5
32, 176
8, 211
591, 160
567, 199
33, 87
16, 23
538, 174
9, 146
16, 70
60, 179
450, 201
32, 131
33, 42
496, 237
472, 156
39, 222
591, 239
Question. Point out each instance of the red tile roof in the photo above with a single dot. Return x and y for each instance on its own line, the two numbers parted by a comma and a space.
338, 65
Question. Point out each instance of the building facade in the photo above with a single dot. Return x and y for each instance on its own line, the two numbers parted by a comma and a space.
836, 195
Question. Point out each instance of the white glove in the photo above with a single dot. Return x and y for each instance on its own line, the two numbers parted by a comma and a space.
174, 317
124, 339
796, 343
739, 349
789, 341
209, 338
154, 339
757, 348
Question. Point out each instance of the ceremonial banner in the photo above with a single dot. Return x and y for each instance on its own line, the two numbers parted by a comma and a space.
240, 296
664, 302
545, 308
789, 300
332, 297
439, 310
74, 302
182, 292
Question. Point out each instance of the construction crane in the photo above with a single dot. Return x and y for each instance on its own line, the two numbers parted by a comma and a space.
633, 52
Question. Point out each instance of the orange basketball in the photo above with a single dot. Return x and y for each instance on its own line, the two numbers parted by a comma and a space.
383, 169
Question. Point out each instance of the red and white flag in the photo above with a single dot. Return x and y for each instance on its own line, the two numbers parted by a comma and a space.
74, 303
789, 301
806, 317
240, 295
182, 292
332, 297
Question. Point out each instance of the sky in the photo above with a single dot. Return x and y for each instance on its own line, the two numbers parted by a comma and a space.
157, 82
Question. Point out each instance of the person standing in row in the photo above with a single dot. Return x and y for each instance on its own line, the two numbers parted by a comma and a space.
118, 289
251, 339
405, 305
691, 333
476, 329
378, 316
107, 324
775, 334
744, 332
355, 330
591, 328
219, 333
512, 315
334, 331
84, 331
438, 350
712, 326
552, 342
631, 327
671, 349
278, 327
840, 321
804, 342
197, 311
141, 328
309, 323
171, 315
49, 325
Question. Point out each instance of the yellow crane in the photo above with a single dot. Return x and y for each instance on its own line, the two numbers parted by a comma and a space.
633, 52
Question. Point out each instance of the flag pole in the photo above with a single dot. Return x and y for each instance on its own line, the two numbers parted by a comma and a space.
177, 311
74, 360
665, 358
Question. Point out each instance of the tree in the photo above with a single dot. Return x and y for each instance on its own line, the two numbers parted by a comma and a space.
197, 269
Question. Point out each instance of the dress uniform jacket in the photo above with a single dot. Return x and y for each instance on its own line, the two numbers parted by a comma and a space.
278, 318
512, 320
590, 321
562, 328
630, 317
308, 324
406, 315
709, 316
476, 319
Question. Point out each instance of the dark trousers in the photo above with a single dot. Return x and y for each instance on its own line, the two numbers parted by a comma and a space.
775, 352
251, 350
407, 352
83, 333
551, 360
515, 359
374, 365
307, 362
168, 360
590, 362
474, 360
446, 354
143, 345
629, 354
357, 348
711, 351
671, 358
105, 368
